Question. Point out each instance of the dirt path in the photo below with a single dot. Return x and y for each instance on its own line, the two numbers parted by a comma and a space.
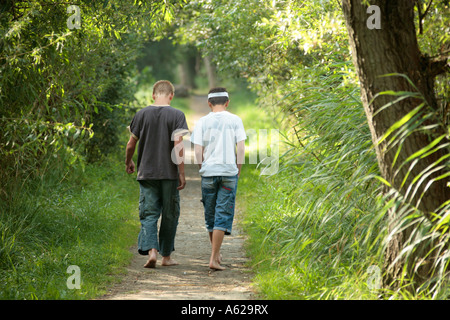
191, 279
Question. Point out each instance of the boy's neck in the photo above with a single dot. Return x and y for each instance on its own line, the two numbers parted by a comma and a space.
218, 108
162, 101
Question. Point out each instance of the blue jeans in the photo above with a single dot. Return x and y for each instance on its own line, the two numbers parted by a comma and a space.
218, 197
158, 198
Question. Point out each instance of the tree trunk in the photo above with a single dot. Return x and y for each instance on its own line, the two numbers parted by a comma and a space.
394, 49
211, 72
186, 75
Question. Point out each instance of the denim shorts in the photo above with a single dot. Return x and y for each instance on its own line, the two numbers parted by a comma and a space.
218, 197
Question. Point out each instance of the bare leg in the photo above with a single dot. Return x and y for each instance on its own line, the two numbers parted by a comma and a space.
152, 257
211, 239
214, 261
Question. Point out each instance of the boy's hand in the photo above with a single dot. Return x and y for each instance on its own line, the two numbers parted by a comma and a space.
130, 167
182, 181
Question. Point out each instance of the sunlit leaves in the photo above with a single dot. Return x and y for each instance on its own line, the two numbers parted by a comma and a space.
56, 82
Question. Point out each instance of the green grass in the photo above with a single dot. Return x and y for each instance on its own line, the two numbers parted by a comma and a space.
296, 252
312, 227
89, 220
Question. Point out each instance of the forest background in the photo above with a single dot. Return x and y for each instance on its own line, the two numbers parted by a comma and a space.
319, 228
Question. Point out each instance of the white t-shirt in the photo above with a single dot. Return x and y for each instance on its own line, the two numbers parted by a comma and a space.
219, 132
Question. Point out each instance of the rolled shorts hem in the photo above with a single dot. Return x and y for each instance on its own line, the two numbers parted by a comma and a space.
143, 252
227, 231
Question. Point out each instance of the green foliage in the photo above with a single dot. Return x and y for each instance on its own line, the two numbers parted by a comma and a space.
64, 96
163, 57
59, 86
317, 225
424, 252
314, 226
267, 42
433, 35
89, 220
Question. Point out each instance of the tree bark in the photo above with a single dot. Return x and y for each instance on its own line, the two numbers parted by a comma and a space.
210, 72
394, 49
186, 75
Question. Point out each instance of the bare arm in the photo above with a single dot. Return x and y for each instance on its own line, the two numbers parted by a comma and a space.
131, 147
198, 151
240, 155
179, 153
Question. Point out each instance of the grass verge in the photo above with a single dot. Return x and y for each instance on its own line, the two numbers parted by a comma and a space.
312, 227
88, 220
298, 253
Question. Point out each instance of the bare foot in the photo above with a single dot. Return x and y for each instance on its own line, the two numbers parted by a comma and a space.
215, 265
168, 261
151, 262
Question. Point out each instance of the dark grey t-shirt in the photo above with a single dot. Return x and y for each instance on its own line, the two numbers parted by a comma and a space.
154, 127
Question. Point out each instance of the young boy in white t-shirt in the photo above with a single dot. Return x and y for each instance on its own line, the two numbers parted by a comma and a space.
219, 144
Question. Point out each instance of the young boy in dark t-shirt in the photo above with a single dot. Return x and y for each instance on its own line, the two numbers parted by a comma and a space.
159, 128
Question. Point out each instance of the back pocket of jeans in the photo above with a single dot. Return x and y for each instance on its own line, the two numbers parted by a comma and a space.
229, 183
228, 193
208, 182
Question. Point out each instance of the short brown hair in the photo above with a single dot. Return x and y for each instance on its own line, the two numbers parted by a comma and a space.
218, 100
163, 87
